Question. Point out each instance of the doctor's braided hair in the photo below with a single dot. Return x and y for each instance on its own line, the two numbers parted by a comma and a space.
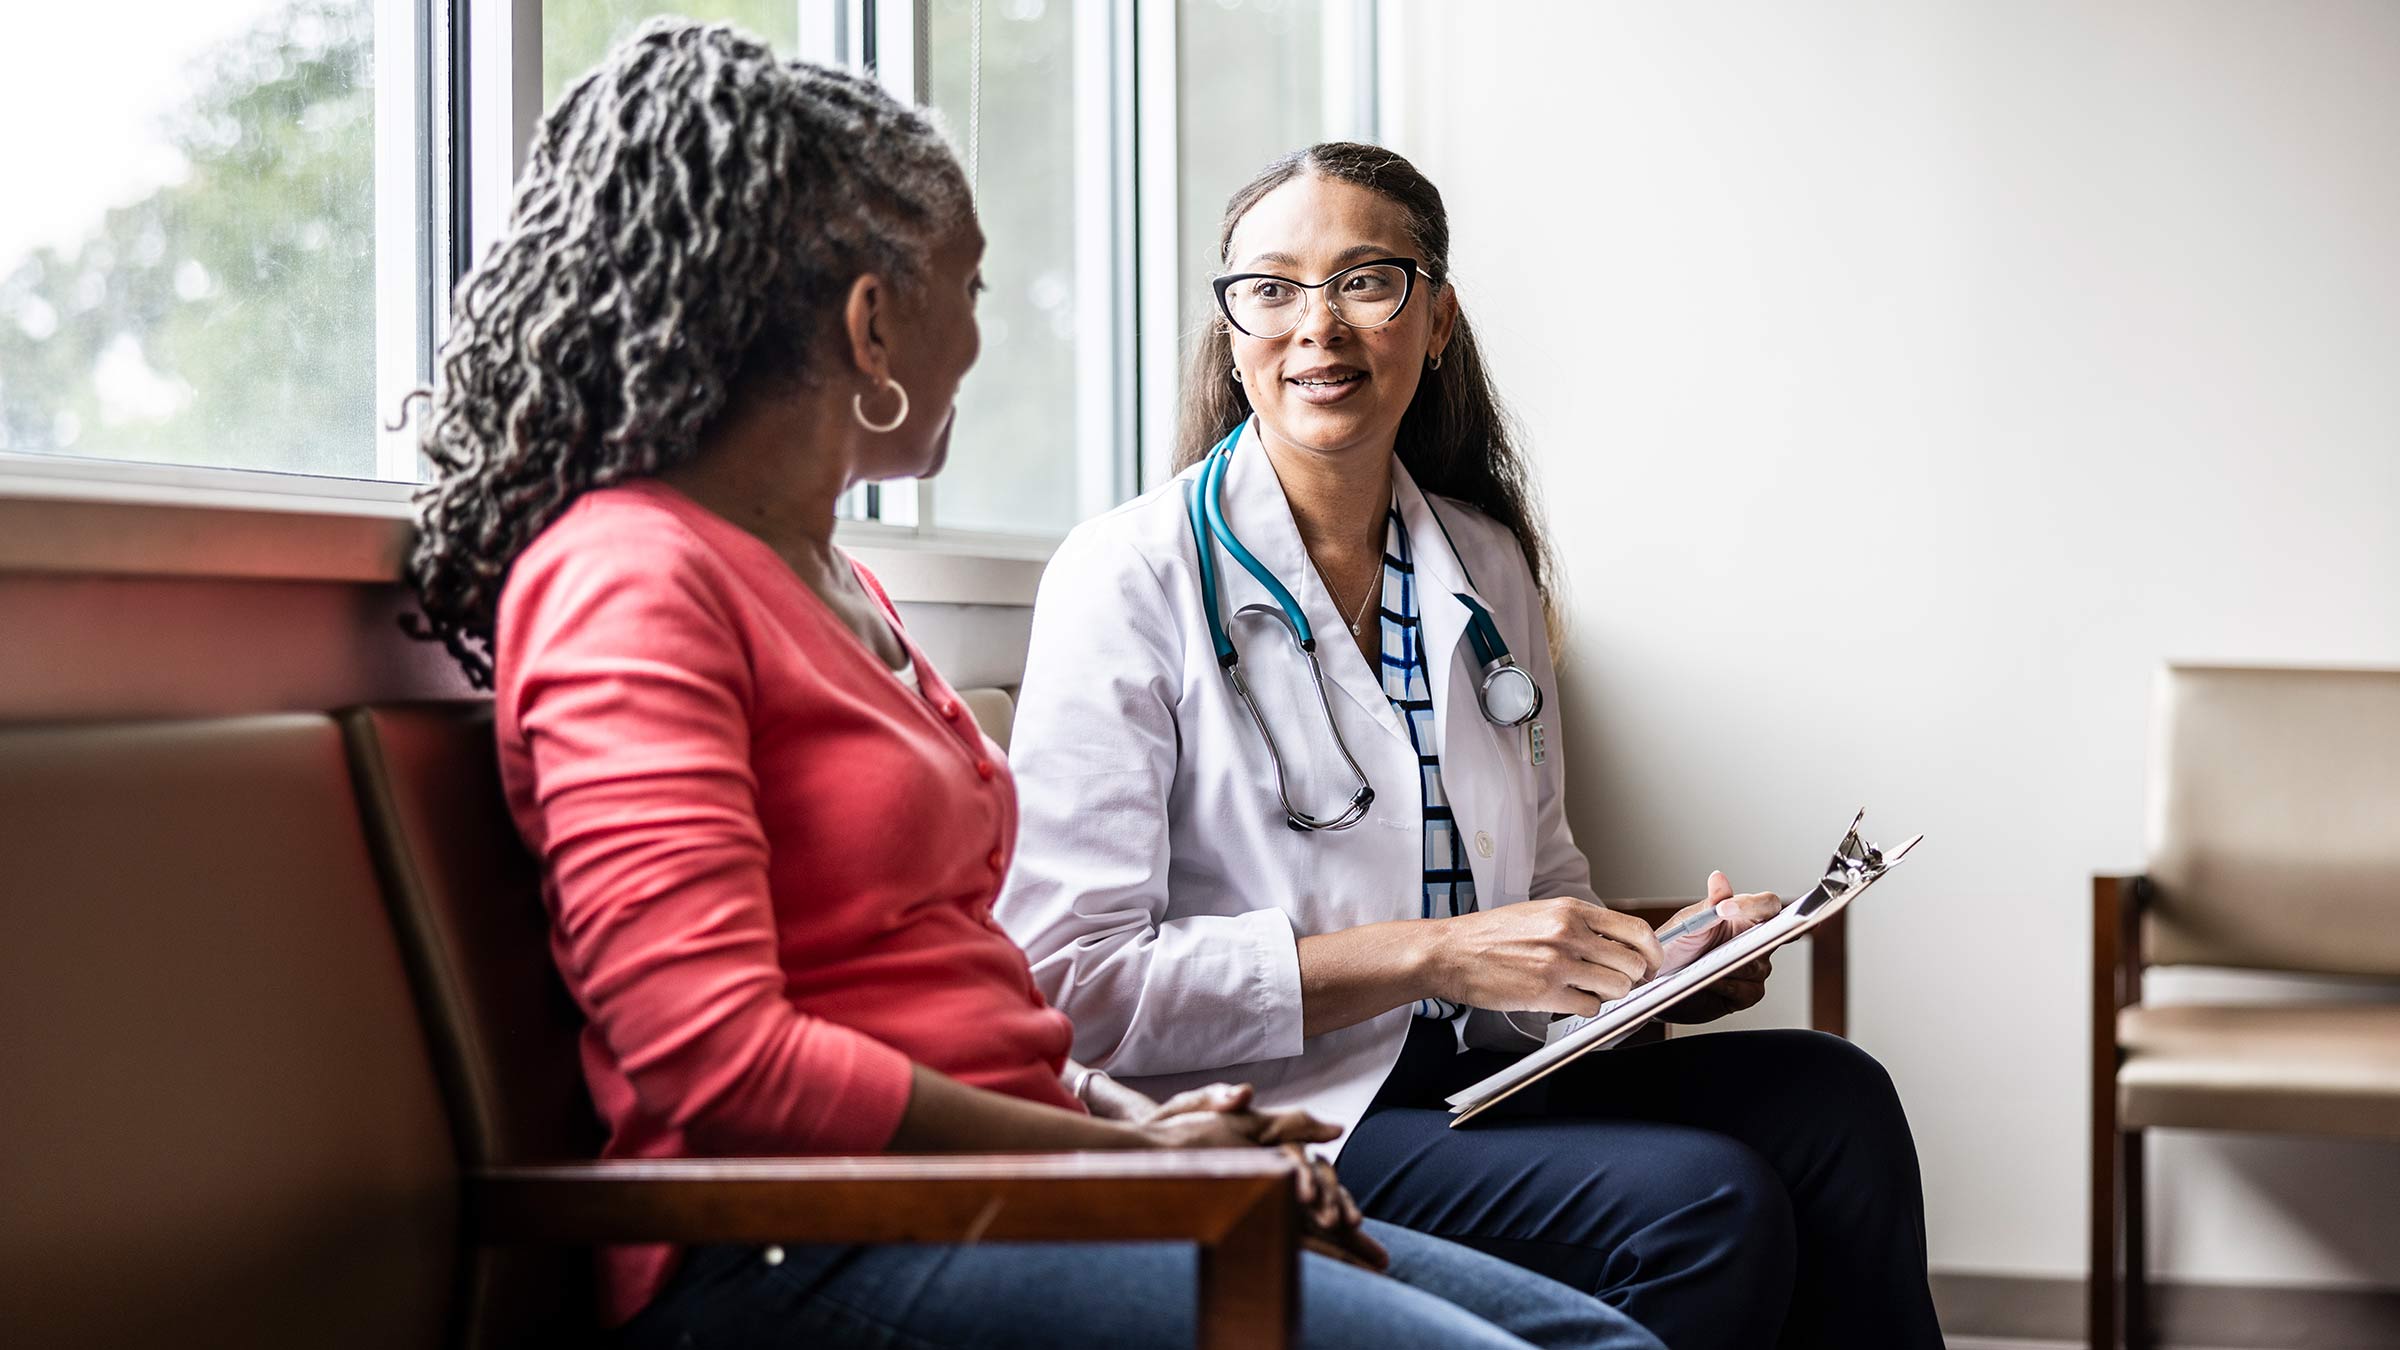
1455, 437
691, 216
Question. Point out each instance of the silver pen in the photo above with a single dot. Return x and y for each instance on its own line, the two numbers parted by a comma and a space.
1689, 926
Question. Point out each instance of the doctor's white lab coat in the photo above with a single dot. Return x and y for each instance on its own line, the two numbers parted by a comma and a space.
1157, 888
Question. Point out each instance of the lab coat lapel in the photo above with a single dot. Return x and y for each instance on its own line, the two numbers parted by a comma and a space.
1261, 516
1477, 768
1438, 587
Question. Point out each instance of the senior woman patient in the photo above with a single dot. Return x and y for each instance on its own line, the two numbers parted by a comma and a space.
1290, 757
731, 287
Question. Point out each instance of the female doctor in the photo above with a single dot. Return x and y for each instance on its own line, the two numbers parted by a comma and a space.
1293, 814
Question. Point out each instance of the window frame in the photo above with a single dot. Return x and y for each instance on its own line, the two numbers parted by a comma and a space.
458, 97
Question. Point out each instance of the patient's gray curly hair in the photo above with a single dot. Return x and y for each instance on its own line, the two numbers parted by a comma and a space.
690, 219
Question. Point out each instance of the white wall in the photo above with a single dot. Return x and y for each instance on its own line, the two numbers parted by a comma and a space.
1908, 381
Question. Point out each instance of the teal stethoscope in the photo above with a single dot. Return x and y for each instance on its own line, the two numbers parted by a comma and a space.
1507, 695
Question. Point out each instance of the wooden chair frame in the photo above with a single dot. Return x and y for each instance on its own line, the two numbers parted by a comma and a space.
2117, 1311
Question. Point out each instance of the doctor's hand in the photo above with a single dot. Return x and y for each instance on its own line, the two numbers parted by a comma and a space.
1742, 987
1745, 984
1560, 955
1735, 914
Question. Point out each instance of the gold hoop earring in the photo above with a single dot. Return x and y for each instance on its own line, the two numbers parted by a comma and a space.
858, 409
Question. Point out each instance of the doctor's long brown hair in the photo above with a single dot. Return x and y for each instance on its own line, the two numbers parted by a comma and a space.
1455, 438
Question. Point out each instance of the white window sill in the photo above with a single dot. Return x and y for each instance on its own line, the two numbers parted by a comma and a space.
85, 518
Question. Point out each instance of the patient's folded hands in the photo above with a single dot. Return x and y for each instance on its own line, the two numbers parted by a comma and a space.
1220, 1116
1334, 1220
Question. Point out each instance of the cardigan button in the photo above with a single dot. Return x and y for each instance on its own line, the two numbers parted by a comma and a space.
983, 769
996, 860
950, 709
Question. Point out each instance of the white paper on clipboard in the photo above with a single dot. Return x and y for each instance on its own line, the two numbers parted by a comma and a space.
1856, 865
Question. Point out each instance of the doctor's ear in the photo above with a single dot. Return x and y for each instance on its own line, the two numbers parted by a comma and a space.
1445, 319
866, 317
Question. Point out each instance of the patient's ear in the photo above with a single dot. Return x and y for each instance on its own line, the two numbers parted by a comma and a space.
865, 316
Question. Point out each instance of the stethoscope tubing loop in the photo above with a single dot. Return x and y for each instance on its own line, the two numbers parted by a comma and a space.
1293, 815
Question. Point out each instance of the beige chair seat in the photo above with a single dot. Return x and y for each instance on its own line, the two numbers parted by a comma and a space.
2300, 1069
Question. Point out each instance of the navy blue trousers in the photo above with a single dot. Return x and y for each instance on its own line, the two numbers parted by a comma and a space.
1732, 1191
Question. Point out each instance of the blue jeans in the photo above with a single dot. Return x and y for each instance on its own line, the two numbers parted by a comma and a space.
1731, 1192
1117, 1296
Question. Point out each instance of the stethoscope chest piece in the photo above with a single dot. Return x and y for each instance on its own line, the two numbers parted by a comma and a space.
1508, 696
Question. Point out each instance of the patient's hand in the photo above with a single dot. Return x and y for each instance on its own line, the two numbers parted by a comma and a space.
1112, 1100
1219, 1116
1334, 1219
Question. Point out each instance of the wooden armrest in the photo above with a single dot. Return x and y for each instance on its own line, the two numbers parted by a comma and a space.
1237, 1204
1189, 1196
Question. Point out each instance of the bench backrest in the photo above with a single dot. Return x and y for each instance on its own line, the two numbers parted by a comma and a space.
223, 1125
466, 901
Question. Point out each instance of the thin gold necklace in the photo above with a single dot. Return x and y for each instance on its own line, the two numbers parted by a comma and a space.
1359, 615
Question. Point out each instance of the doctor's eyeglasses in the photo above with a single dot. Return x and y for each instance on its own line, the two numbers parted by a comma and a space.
1368, 295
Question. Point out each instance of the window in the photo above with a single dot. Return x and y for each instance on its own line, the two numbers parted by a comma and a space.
1104, 139
240, 260
1250, 82
193, 280
1228, 87
577, 33
1002, 75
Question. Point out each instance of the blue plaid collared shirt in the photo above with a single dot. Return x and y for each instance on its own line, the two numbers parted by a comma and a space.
1449, 887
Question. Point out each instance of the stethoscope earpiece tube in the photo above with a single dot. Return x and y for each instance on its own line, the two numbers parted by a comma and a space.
1226, 656
1212, 501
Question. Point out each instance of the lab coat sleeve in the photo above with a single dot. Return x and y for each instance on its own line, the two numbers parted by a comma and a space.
1094, 750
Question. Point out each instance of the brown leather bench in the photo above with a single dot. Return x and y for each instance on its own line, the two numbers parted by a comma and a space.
224, 1126
281, 1072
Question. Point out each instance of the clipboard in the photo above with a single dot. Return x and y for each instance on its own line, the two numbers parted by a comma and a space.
1856, 865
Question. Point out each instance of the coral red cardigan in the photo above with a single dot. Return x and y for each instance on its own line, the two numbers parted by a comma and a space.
769, 864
